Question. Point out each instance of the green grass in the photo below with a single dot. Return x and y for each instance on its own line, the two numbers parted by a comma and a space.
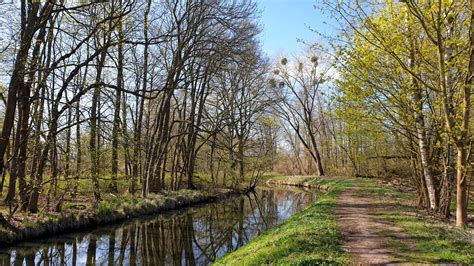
112, 203
28, 223
434, 243
313, 237
431, 241
295, 179
309, 237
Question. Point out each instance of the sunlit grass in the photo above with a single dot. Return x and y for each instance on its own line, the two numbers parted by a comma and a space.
313, 237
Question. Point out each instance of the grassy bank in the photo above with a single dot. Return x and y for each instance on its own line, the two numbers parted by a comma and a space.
320, 184
430, 240
113, 208
313, 236
309, 237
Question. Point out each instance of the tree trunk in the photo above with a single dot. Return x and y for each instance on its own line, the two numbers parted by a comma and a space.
463, 145
17, 76
461, 186
425, 161
67, 167
13, 171
423, 144
78, 148
93, 143
118, 98
138, 128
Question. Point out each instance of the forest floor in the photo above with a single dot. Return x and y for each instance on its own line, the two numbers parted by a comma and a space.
358, 221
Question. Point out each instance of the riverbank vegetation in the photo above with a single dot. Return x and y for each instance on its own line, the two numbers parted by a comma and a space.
112, 209
314, 236
197, 234
309, 237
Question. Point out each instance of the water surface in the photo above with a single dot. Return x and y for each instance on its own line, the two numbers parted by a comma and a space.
192, 236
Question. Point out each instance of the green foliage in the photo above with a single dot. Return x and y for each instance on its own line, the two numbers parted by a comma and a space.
387, 63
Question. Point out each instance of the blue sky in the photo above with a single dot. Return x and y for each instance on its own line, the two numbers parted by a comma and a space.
284, 21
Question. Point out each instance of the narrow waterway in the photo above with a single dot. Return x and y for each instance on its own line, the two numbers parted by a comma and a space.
192, 236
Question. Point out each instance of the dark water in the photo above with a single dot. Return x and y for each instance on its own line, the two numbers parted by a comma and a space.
197, 235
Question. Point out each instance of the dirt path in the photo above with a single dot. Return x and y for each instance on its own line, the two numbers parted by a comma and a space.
366, 235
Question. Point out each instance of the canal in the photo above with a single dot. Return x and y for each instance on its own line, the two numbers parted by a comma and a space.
191, 236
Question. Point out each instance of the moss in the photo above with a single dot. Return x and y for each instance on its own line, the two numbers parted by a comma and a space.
309, 237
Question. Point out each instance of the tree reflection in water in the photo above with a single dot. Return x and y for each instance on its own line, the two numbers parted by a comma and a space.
192, 236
